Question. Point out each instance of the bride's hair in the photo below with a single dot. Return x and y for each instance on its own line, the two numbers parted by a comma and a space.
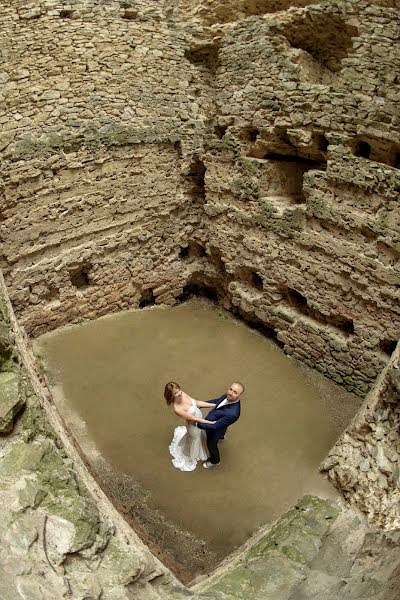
169, 392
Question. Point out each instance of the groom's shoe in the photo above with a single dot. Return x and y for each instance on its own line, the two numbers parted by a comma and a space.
209, 465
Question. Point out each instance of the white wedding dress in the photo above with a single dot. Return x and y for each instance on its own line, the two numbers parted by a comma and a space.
189, 444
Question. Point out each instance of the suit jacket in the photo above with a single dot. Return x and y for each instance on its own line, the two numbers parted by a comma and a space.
223, 417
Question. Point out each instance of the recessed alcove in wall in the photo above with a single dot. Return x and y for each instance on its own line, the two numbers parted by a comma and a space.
296, 144
299, 302
205, 58
388, 346
215, 258
192, 250
147, 298
382, 151
254, 322
322, 142
66, 13
322, 41
250, 134
220, 130
80, 278
282, 177
196, 176
130, 12
250, 277
196, 288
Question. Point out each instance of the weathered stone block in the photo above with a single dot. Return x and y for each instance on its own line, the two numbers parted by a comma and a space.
11, 402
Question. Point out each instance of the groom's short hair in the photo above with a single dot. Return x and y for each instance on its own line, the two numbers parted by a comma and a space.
241, 385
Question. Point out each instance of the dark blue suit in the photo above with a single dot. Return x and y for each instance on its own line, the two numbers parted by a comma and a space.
223, 417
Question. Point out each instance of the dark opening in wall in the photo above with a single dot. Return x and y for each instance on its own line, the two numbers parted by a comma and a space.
130, 13
250, 277
300, 303
388, 346
192, 250
196, 174
363, 149
196, 249
383, 151
220, 130
215, 259
66, 13
290, 158
178, 148
322, 142
184, 252
203, 56
80, 278
251, 134
147, 299
296, 299
345, 325
198, 289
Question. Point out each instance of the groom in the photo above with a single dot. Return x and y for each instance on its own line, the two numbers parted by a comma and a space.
225, 412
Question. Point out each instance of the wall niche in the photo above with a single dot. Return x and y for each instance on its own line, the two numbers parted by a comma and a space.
192, 250
319, 41
250, 277
80, 278
382, 151
147, 298
299, 302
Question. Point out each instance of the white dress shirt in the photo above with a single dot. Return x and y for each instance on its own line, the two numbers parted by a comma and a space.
225, 402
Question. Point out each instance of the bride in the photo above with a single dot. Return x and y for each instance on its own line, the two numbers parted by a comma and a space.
189, 444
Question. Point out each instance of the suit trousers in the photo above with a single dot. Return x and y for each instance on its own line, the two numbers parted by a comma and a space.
212, 444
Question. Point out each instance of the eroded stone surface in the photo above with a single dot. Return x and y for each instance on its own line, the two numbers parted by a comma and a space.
365, 462
147, 155
11, 401
255, 159
55, 541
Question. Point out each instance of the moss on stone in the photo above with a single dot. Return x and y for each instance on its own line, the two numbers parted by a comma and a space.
279, 560
226, 145
293, 533
246, 183
11, 401
90, 137
57, 489
287, 224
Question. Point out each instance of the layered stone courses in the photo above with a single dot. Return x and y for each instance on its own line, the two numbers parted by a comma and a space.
154, 149
129, 132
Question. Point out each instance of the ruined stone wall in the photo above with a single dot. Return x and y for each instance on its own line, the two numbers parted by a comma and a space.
96, 196
303, 180
364, 464
147, 154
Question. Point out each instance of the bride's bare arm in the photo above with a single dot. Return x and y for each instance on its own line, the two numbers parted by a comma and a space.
185, 415
202, 404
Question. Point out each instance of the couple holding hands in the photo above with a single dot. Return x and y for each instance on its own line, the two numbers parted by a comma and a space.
198, 440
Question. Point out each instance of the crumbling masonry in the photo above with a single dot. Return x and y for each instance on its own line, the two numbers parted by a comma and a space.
246, 150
